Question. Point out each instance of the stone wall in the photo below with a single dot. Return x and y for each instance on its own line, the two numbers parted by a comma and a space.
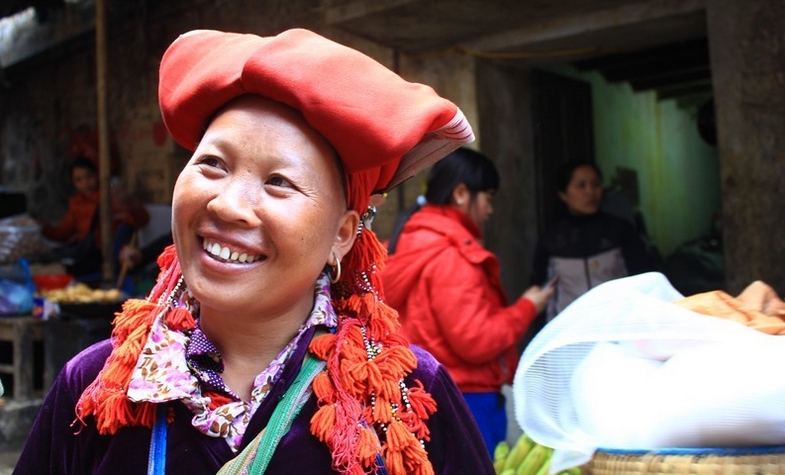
747, 43
46, 98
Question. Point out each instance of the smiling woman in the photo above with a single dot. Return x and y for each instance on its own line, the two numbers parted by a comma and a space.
266, 346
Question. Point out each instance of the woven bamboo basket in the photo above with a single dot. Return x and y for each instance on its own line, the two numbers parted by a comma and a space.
737, 461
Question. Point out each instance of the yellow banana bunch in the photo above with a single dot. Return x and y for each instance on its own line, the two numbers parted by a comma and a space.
526, 457
544, 469
519, 451
500, 454
538, 456
571, 471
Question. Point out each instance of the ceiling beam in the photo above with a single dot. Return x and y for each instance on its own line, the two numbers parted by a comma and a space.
652, 68
671, 77
693, 101
682, 90
12, 7
31, 37
354, 9
623, 66
579, 24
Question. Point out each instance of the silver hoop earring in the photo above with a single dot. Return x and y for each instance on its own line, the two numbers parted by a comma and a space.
336, 269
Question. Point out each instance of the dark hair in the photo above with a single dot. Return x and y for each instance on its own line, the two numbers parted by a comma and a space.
84, 163
564, 177
464, 165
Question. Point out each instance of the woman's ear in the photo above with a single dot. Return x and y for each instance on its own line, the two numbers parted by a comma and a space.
562, 197
345, 236
461, 195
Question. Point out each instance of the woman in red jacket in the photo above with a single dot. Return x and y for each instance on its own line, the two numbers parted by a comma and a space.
446, 287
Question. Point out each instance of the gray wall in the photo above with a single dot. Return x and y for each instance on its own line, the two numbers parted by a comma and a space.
747, 43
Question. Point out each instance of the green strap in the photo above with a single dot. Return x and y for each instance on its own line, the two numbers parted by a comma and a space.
259, 452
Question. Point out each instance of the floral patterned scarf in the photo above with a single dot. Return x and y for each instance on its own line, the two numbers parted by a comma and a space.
162, 374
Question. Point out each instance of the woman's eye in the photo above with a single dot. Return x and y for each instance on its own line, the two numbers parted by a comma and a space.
279, 181
209, 161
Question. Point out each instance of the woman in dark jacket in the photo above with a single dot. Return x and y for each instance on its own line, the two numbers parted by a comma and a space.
586, 247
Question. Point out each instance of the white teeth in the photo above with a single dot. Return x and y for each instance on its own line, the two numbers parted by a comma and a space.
227, 254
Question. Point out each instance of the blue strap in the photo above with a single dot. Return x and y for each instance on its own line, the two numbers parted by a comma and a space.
381, 468
156, 459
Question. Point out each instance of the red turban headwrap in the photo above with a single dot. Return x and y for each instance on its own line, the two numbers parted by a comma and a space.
383, 128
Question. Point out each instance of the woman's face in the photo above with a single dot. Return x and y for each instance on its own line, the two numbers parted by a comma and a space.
584, 191
480, 207
258, 210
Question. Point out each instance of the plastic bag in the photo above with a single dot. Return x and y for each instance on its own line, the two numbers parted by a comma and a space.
16, 289
20, 237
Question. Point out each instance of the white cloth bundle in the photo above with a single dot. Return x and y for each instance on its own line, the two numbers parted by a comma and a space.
623, 367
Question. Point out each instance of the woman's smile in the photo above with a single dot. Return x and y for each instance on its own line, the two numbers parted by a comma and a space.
228, 253
257, 210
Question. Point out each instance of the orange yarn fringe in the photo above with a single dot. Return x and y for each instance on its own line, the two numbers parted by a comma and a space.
105, 398
358, 393
359, 397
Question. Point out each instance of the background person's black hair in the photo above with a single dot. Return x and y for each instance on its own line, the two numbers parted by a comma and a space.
464, 165
564, 176
85, 163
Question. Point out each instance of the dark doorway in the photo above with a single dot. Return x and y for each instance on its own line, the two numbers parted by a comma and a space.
563, 132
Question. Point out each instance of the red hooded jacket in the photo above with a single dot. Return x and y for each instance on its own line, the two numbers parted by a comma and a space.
447, 291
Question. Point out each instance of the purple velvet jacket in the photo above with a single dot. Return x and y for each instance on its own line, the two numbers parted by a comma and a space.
456, 446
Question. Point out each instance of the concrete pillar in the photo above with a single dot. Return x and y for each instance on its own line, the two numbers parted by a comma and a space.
504, 107
747, 43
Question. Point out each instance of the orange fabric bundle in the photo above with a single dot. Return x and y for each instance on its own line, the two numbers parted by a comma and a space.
758, 307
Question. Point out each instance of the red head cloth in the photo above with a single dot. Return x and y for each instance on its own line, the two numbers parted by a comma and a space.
383, 128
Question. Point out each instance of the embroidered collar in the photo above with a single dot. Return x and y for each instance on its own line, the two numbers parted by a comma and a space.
163, 373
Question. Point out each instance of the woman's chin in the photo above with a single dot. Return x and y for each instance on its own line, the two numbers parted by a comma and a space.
221, 298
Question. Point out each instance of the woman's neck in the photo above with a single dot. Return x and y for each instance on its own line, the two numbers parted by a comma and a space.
248, 343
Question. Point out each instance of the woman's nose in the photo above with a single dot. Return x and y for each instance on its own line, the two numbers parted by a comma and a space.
236, 203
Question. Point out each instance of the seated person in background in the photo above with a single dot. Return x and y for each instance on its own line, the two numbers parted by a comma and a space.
79, 229
133, 256
586, 247
138, 264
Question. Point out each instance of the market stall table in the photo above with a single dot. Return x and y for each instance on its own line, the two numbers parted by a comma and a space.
22, 332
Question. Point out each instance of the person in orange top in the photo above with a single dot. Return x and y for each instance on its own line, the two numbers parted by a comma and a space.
79, 228
447, 290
